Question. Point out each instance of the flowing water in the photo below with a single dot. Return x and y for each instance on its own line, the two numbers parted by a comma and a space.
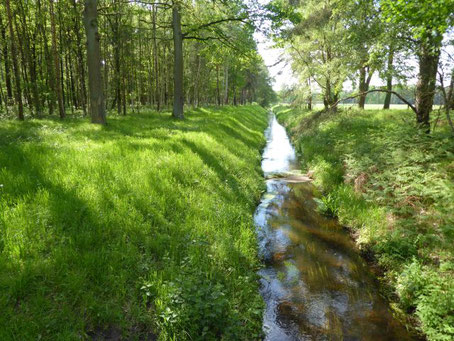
314, 283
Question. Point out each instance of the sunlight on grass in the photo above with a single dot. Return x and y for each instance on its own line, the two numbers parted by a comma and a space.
394, 186
144, 226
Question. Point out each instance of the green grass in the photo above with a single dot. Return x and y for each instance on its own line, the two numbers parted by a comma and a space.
320, 106
402, 208
139, 229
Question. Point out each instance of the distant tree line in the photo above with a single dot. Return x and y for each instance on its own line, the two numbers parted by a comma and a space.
291, 94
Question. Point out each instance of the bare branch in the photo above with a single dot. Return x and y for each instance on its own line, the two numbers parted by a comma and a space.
212, 23
379, 90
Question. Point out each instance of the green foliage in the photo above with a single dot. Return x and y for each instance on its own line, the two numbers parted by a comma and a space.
316, 46
432, 295
393, 185
281, 13
143, 227
424, 18
136, 39
411, 283
435, 309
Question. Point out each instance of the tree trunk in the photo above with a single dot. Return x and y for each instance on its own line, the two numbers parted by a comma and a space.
218, 89
9, 90
178, 96
429, 56
362, 87
117, 58
165, 78
389, 78
123, 92
23, 68
329, 98
50, 79
118, 77
95, 84
58, 87
334, 101
197, 81
61, 59
309, 97
226, 88
234, 93
157, 94
18, 92
30, 62
71, 83
80, 61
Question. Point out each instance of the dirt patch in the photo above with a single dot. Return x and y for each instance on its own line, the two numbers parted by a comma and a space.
360, 182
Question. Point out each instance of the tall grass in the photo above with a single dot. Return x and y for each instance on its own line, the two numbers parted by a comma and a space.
140, 229
394, 186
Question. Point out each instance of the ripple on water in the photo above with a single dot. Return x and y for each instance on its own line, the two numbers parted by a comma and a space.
314, 283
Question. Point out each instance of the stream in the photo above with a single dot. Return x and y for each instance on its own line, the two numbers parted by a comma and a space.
315, 284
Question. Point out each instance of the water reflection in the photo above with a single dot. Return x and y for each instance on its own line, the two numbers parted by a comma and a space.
279, 155
315, 285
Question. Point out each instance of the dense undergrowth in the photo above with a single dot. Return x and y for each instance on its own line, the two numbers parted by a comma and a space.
393, 185
140, 229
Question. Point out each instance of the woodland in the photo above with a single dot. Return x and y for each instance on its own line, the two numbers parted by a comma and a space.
60, 56
131, 134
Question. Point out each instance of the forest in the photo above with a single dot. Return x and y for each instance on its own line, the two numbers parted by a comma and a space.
59, 56
135, 198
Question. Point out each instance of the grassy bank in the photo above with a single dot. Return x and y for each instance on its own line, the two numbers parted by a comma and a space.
394, 187
140, 229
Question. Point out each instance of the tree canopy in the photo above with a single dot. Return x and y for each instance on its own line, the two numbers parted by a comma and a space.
45, 41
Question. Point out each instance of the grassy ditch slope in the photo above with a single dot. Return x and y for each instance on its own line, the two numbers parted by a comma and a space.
394, 187
138, 230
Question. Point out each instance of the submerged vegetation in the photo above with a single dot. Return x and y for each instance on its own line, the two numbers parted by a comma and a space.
393, 185
140, 228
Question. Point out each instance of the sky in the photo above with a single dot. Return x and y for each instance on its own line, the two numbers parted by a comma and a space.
282, 72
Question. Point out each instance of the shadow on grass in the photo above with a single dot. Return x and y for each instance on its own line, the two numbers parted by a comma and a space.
76, 257
76, 267
396, 157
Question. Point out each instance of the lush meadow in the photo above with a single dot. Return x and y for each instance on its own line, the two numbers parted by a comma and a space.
140, 229
393, 186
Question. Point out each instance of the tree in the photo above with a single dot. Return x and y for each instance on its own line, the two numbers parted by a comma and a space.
95, 84
55, 55
9, 91
178, 97
316, 45
427, 22
136, 51
363, 32
389, 75
18, 92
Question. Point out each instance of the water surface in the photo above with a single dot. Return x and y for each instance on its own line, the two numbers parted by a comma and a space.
314, 283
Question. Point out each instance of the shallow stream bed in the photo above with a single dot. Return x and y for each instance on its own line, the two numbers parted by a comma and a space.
315, 284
